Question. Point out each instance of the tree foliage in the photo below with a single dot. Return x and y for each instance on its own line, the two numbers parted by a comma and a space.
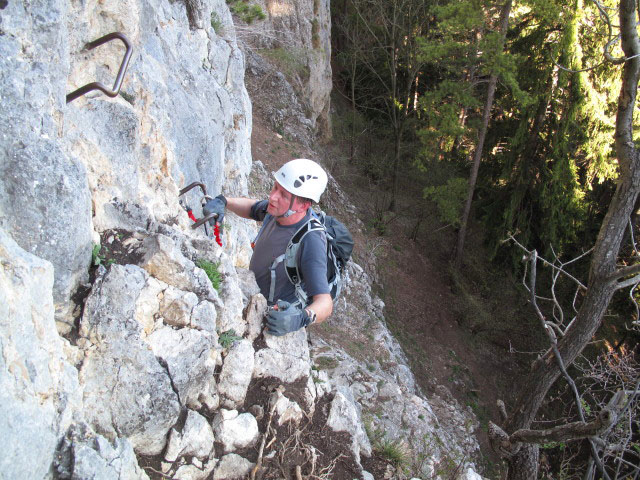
548, 181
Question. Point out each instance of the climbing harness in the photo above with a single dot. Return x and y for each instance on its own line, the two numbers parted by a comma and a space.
207, 218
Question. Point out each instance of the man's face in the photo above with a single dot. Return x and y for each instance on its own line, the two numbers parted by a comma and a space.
279, 201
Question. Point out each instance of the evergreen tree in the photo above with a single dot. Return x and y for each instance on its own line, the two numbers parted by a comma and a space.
546, 183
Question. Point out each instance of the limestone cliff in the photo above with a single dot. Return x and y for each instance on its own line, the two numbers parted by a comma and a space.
297, 35
120, 357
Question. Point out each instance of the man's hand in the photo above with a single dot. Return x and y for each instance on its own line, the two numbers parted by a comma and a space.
286, 318
215, 205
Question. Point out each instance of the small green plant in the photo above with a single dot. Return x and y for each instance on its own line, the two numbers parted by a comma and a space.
393, 451
127, 96
315, 33
326, 363
290, 61
100, 259
380, 222
228, 338
211, 269
550, 445
449, 199
216, 23
247, 12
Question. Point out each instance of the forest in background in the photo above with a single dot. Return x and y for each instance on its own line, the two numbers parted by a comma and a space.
504, 114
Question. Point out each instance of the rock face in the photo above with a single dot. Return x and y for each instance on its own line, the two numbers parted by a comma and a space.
122, 378
39, 391
153, 344
298, 34
45, 202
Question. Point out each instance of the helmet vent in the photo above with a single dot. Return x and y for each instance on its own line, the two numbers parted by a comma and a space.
303, 179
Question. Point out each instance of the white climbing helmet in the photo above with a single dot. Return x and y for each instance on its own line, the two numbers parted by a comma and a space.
302, 177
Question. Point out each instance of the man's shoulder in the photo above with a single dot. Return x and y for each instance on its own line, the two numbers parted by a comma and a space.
258, 210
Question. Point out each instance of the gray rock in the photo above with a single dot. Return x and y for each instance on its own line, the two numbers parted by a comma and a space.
39, 391
176, 306
389, 391
55, 224
232, 466
210, 397
470, 474
147, 304
235, 430
122, 378
254, 315
190, 358
247, 283
321, 385
344, 416
98, 459
44, 195
196, 439
305, 29
231, 317
196, 470
286, 357
203, 317
236, 373
164, 261
286, 410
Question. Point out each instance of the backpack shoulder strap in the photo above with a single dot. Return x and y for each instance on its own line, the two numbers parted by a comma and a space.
291, 266
289, 257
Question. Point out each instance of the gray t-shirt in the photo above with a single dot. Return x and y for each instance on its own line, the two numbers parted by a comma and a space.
272, 242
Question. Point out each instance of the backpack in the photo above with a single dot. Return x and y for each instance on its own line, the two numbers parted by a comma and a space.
339, 248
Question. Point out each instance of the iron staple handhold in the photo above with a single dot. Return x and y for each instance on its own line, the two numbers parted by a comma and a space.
123, 68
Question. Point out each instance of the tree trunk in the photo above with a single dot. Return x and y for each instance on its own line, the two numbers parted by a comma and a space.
601, 285
352, 147
394, 112
396, 163
486, 115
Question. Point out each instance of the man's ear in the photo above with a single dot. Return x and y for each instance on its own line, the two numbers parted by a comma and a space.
303, 204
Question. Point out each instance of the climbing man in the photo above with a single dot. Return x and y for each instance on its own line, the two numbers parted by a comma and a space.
297, 185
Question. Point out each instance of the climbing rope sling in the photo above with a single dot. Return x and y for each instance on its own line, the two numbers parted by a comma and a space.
207, 219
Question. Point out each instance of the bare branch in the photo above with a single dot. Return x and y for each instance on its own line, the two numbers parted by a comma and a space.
635, 303
567, 432
628, 283
624, 272
567, 274
561, 433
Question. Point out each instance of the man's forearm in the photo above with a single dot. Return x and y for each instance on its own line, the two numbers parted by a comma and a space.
322, 305
240, 206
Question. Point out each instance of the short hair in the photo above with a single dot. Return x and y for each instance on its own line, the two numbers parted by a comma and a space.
304, 199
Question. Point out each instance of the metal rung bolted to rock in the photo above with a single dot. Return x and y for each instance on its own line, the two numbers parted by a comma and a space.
121, 71
207, 218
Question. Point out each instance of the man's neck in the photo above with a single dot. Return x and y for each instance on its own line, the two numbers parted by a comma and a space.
295, 218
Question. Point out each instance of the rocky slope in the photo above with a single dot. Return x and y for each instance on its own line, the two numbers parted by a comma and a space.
124, 360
